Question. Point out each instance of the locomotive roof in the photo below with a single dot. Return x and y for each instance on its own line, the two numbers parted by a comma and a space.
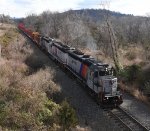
96, 64
75, 56
78, 55
61, 46
77, 52
47, 39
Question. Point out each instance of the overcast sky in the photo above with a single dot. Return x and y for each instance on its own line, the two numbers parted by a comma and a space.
21, 8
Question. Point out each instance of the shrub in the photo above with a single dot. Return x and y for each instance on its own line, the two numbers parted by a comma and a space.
131, 55
145, 80
147, 86
3, 113
42, 80
5, 39
25, 108
48, 112
36, 61
67, 116
8, 37
131, 73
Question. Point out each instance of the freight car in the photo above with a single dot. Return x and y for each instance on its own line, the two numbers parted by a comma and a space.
97, 77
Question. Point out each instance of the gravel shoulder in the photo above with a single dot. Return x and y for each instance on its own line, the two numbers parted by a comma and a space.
138, 109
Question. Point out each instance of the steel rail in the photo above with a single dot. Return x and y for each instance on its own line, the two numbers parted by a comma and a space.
124, 117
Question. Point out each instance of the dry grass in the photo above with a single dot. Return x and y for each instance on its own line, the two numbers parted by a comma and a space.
8, 36
7, 26
2, 61
132, 55
128, 56
78, 128
42, 80
4, 27
134, 91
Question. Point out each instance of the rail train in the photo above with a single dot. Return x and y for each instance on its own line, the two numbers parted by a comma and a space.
97, 77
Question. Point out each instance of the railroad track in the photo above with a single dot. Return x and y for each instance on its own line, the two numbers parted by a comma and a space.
126, 121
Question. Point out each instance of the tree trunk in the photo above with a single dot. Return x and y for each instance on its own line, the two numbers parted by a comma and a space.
114, 46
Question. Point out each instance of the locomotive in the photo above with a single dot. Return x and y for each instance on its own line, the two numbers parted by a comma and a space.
97, 77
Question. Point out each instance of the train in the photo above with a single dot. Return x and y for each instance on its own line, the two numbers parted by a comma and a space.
97, 77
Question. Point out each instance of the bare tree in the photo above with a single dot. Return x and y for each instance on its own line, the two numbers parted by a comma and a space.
56, 24
112, 36
65, 34
5, 19
75, 32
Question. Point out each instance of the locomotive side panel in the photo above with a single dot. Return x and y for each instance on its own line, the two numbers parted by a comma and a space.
50, 48
83, 71
54, 51
74, 64
62, 56
42, 43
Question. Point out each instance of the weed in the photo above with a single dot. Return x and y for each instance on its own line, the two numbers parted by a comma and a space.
67, 116
131, 55
130, 73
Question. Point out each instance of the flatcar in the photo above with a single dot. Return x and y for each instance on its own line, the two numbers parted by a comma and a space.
97, 77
